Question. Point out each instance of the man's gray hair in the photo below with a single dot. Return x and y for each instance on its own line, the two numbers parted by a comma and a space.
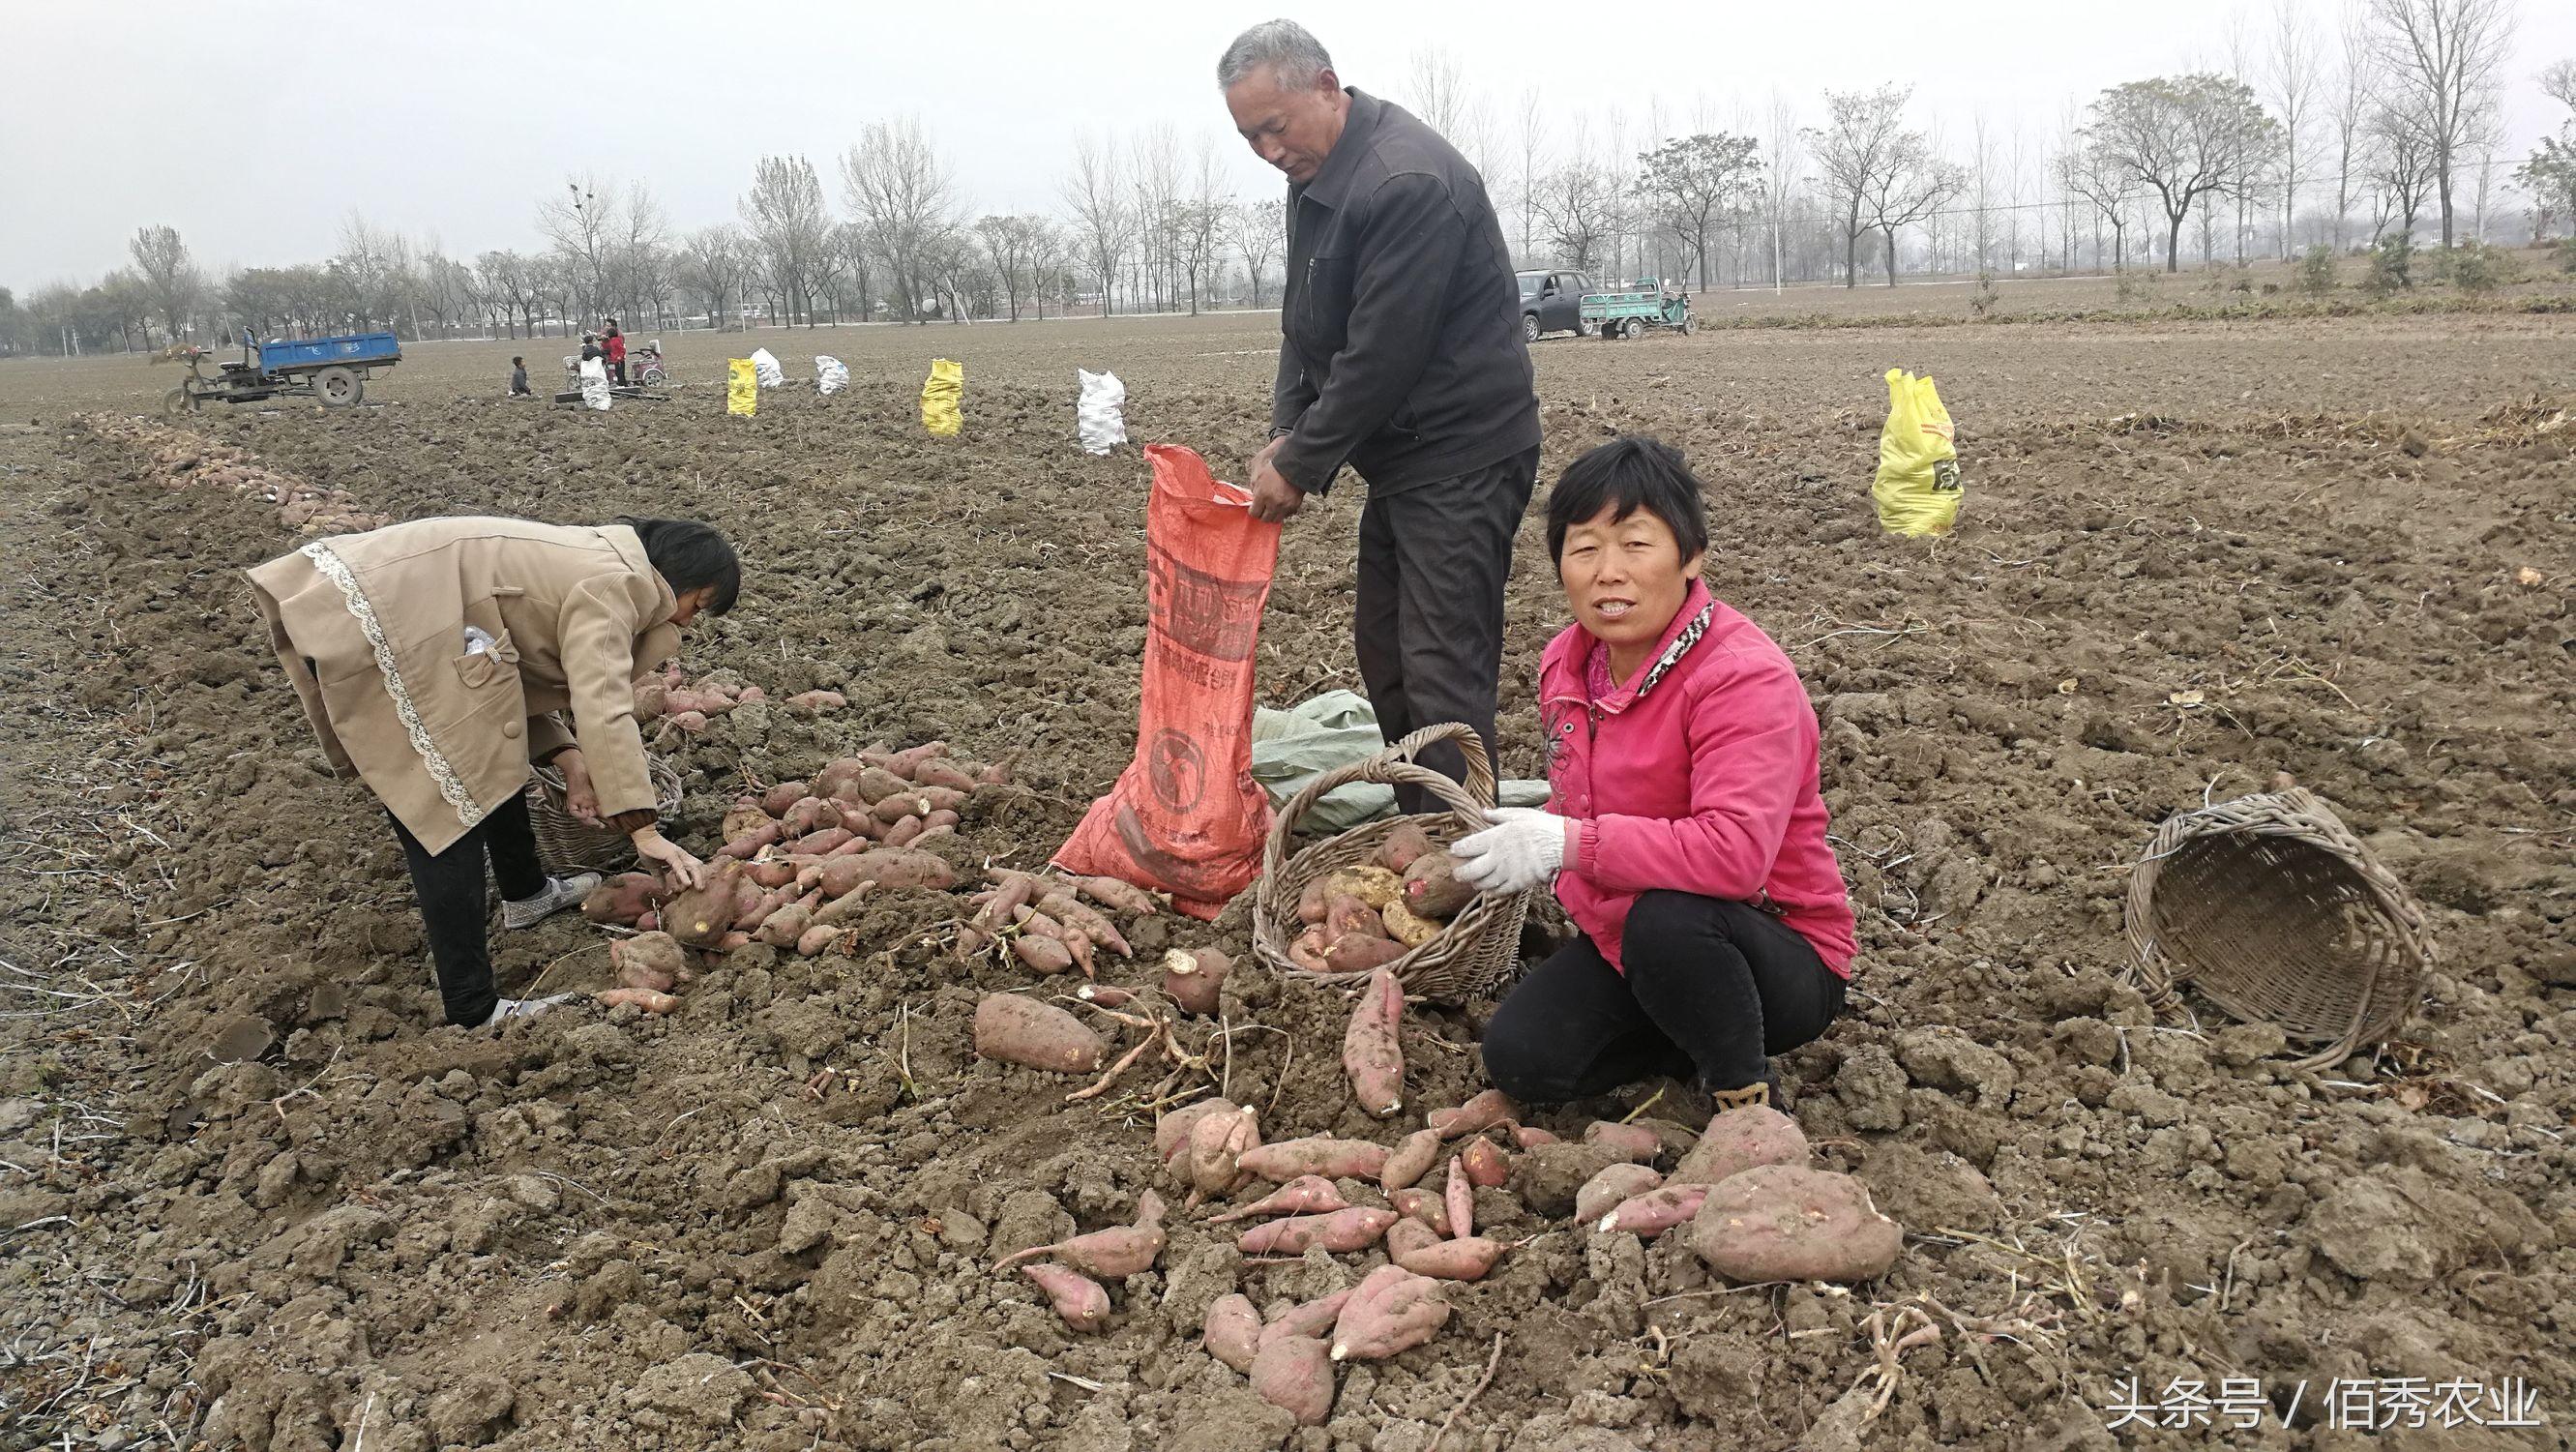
1284, 44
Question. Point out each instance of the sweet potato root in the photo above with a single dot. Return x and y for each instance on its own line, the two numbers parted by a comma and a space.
1739, 1140
1477, 1115
1118, 896
1307, 951
939, 771
1406, 926
643, 998
786, 794
815, 939
1393, 1310
811, 814
1361, 952
700, 915
648, 960
1401, 847
1218, 1144
1076, 1297
1042, 954
1112, 1254
1458, 1197
1313, 1318
1015, 1029
1655, 1211
1791, 1223
1346, 915
1413, 1246
1422, 1205
1529, 1137
888, 867
1295, 1374
1172, 1131
1433, 888
1373, 1048
744, 817
1357, 1228
1334, 1159
622, 899
1311, 906
1194, 979
1486, 1165
1372, 885
749, 844
1233, 1333
815, 703
1411, 1159
1607, 1190
782, 928
1634, 1142
1304, 1195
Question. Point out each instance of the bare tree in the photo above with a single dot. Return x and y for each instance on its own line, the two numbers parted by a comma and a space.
1860, 148
1104, 225
639, 254
2403, 175
1011, 246
2444, 58
2181, 137
582, 224
168, 276
2293, 86
712, 265
509, 279
788, 222
1533, 151
1436, 90
1578, 202
2084, 173
2355, 83
446, 288
2550, 171
904, 193
1780, 178
1912, 187
1260, 231
1695, 183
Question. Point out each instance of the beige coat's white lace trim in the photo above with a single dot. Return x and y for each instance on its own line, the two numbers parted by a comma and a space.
449, 785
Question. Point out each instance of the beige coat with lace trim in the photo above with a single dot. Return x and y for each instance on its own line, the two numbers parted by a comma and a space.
372, 630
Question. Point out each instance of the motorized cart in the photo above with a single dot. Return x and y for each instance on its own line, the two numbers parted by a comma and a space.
333, 370
1629, 314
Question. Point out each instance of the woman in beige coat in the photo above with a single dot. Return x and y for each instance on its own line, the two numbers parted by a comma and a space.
437, 659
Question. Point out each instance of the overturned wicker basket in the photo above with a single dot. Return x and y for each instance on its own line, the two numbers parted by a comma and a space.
2272, 908
1475, 952
565, 843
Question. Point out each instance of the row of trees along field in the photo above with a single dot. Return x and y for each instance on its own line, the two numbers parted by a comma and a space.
2388, 127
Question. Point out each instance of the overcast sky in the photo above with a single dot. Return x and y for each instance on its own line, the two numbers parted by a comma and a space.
256, 128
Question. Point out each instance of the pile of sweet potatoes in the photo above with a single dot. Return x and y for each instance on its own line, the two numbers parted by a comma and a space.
1044, 921
684, 707
1362, 917
184, 460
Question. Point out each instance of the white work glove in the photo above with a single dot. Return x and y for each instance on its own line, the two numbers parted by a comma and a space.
1522, 850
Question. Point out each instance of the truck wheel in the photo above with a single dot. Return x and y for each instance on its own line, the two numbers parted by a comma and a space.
1690, 324
1633, 328
1529, 327
178, 401
338, 387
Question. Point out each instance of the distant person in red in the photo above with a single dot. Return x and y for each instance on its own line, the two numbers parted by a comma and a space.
614, 345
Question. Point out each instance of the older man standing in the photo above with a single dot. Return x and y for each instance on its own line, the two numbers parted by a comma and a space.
1400, 356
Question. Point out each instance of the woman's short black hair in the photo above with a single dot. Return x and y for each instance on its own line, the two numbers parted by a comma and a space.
1629, 473
689, 555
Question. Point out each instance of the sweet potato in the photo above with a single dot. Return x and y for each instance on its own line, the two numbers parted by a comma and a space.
1433, 888
1740, 1139
939, 819
650, 922
643, 998
651, 698
749, 843
817, 844
700, 915
1312, 1318
1633, 1142
1345, 915
1655, 1211
1195, 979
648, 960
688, 701
1105, 995
757, 905
907, 761
1411, 1159
842, 906
1407, 927
1233, 1333
815, 703
782, 928
1360, 952
939, 771
1401, 847
1035, 924
886, 867
811, 814
786, 794
1393, 1310
904, 831
1422, 1205
839, 779
743, 818
1112, 1254
815, 939
1372, 885
1042, 953
1076, 1297
621, 899
1118, 895
1334, 1159
732, 940
1606, 1191
1791, 1223
1080, 916
1015, 1029
1487, 1166
1458, 1196
1413, 1246
1356, 1228
1477, 1115
899, 806
771, 872
996, 774
1373, 1048
1526, 1136
1305, 1195
1307, 951
1217, 1146
1311, 906
1295, 1374
1172, 1131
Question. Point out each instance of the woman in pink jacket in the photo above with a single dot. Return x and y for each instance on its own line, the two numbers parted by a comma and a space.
1686, 831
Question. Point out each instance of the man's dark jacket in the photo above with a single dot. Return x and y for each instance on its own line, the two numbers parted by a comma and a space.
1402, 353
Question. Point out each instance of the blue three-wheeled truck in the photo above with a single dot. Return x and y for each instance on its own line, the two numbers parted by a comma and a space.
333, 370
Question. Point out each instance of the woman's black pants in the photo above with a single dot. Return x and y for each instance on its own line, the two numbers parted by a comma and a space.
452, 910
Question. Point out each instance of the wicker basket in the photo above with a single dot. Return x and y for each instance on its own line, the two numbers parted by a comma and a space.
567, 844
1475, 952
2272, 908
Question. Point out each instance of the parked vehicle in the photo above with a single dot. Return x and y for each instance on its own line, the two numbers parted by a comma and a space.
1645, 304
1552, 302
333, 369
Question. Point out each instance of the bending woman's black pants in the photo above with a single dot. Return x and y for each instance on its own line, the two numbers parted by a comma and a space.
452, 910
1713, 989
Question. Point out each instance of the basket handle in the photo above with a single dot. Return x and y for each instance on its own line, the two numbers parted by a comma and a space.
1394, 766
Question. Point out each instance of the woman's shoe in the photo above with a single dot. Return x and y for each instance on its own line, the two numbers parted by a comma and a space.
560, 893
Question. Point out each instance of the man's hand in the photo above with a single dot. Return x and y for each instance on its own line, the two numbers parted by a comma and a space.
679, 868
1274, 499
581, 798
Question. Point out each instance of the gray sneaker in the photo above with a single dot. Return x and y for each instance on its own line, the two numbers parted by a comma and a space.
560, 893
509, 1008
